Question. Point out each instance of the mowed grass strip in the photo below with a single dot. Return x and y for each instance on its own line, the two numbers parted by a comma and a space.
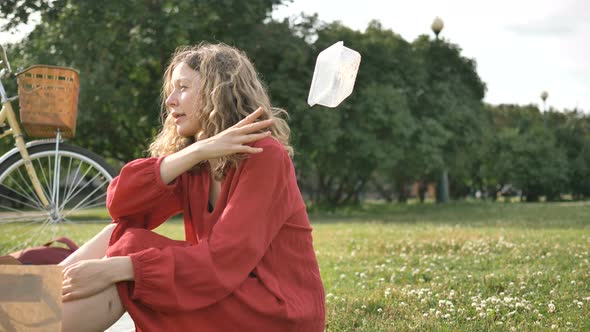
458, 267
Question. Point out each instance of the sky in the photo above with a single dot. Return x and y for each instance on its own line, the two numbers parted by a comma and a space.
522, 47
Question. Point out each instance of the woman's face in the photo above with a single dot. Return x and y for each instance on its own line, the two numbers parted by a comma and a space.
183, 102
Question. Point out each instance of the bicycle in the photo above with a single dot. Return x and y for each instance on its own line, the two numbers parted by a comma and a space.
46, 184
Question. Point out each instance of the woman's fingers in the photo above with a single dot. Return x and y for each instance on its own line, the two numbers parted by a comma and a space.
72, 296
254, 137
250, 118
253, 127
249, 149
66, 289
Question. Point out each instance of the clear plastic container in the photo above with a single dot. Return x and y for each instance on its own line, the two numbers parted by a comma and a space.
334, 75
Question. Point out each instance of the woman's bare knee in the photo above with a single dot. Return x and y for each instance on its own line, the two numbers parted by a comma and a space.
109, 228
93, 249
94, 313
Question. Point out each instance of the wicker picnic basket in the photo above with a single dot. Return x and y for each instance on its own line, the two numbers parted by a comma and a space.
48, 100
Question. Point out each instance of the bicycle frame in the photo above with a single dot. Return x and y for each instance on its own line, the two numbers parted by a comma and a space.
7, 116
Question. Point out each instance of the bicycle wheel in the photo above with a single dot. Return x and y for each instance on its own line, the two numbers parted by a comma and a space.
76, 194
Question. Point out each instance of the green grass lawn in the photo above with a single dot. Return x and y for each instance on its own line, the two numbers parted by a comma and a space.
458, 267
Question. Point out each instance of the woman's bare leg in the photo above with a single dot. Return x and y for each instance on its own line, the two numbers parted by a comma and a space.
95, 313
93, 249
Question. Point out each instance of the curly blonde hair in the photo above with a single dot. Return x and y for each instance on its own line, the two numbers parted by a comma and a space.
230, 91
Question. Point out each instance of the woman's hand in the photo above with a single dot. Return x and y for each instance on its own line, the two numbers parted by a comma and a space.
234, 139
88, 277
230, 141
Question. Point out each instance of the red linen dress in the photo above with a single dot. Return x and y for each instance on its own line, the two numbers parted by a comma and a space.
248, 265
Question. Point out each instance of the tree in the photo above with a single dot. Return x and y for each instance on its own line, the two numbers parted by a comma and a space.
451, 94
121, 50
527, 154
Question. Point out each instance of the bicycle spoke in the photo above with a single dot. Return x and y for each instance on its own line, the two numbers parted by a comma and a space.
97, 201
35, 239
23, 193
67, 180
20, 174
82, 188
28, 239
56, 178
44, 178
18, 216
82, 201
101, 185
75, 186
17, 201
73, 180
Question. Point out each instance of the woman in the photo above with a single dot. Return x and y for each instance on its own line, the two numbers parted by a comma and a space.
248, 262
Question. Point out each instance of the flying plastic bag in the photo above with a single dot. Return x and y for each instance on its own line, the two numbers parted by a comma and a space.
334, 75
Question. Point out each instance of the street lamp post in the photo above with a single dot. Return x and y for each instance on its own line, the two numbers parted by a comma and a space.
437, 26
544, 96
443, 186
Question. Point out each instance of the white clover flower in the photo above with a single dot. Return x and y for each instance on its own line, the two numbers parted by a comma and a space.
452, 294
551, 307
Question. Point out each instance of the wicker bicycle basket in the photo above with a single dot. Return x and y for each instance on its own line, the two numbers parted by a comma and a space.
48, 100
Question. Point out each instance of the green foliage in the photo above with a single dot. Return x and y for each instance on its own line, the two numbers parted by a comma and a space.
121, 50
417, 110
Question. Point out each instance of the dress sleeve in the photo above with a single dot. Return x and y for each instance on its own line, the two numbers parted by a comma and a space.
193, 277
140, 197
